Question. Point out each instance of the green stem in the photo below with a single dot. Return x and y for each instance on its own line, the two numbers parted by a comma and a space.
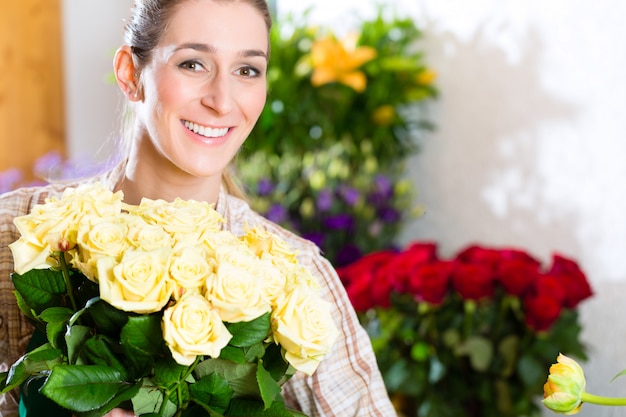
66, 277
598, 400
166, 393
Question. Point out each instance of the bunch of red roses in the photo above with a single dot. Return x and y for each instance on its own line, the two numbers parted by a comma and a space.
493, 318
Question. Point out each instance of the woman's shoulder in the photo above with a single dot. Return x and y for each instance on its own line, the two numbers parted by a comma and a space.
21, 200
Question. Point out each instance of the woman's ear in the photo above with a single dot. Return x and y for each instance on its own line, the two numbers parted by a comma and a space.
126, 74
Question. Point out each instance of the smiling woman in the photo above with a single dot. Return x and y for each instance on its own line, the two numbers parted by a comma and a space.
193, 75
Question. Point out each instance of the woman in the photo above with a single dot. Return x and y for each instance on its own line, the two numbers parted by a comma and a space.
193, 73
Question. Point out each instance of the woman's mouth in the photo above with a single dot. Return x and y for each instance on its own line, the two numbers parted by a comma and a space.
207, 132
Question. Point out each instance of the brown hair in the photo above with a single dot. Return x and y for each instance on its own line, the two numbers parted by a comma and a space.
143, 31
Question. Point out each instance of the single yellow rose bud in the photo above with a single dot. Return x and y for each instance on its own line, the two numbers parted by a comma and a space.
565, 386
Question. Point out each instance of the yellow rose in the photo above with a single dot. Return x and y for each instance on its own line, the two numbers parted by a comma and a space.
98, 237
211, 241
54, 224
303, 325
261, 241
138, 283
183, 219
274, 281
192, 328
41, 231
235, 289
297, 275
28, 255
189, 269
144, 236
93, 199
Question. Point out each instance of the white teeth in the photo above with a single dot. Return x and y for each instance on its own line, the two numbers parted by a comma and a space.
206, 131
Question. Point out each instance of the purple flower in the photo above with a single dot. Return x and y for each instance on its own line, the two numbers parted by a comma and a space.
317, 238
324, 200
347, 255
265, 187
47, 164
388, 214
276, 213
9, 179
382, 191
349, 195
339, 222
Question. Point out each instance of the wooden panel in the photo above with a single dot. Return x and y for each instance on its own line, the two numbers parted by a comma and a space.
31, 82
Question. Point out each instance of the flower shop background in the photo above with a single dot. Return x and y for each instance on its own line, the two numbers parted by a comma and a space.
528, 149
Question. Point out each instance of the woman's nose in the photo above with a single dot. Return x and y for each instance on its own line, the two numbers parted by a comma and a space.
217, 94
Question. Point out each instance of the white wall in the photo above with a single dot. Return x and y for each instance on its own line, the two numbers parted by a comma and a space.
92, 33
529, 149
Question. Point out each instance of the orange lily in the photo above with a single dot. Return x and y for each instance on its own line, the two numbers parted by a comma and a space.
335, 60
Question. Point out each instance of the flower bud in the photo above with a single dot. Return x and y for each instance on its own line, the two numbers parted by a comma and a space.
58, 243
565, 386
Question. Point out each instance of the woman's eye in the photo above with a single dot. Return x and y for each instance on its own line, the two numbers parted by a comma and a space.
248, 72
192, 66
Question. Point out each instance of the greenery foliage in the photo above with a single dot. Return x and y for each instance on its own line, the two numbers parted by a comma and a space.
342, 115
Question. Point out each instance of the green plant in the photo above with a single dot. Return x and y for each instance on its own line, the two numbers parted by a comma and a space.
327, 156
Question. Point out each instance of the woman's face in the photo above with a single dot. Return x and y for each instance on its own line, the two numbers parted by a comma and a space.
205, 87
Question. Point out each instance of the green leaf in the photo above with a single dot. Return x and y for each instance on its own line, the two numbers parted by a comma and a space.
24, 307
268, 387
246, 334
167, 373
83, 388
241, 377
100, 350
74, 339
107, 318
254, 352
34, 362
212, 391
622, 373
123, 396
57, 318
149, 401
479, 350
508, 349
532, 371
56, 314
142, 341
245, 407
232, 353
276, 365
40, 288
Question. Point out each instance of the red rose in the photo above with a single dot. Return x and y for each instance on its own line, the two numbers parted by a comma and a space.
429, 282
572, 279
366, 282
517, 274
359, 293
473, 281
402, 266
363, 265
548, 285
477, 254
541, 311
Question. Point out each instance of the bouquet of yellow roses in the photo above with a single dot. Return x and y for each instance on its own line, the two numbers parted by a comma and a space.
156, 305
